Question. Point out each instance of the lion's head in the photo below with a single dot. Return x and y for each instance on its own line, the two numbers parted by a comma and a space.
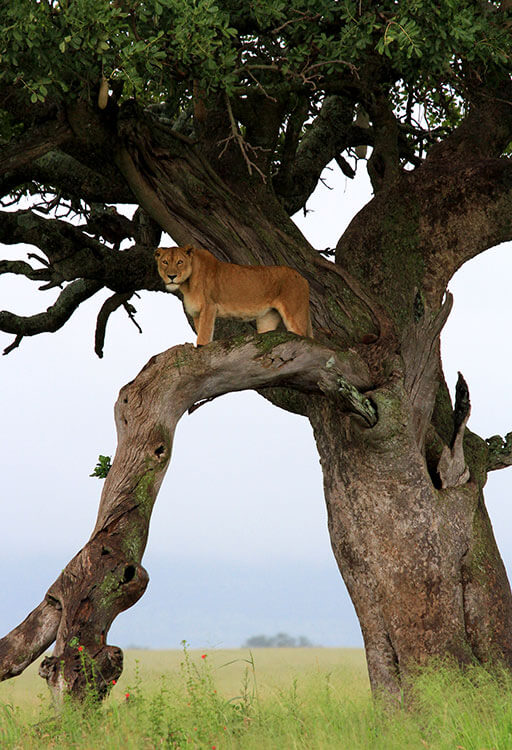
174, 265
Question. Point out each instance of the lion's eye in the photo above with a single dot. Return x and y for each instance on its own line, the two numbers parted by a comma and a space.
165, 263
179, 263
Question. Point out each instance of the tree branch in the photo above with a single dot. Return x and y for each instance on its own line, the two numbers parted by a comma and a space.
20, 268
324, 140
30, 639
32, 144
106, 576
500, 452
59, 240
75, 179
109, 306
465, 210
54, 317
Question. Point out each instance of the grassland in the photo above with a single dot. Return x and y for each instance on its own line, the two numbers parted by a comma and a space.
272, 698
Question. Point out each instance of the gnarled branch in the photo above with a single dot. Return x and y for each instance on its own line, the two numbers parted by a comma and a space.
500, 452
325, 139
106, 576
54, 317
58, 239
109, 306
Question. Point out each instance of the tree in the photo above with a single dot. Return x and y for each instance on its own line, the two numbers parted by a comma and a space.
280, 640
218, 120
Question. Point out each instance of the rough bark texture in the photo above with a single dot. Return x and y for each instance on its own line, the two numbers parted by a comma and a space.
225, 168
106, 576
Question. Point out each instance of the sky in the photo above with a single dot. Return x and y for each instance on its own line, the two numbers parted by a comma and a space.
238, 541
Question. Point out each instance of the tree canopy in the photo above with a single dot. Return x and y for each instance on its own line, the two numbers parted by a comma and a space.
266, 91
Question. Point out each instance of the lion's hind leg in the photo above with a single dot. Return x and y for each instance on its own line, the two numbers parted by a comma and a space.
268, 321
296, 319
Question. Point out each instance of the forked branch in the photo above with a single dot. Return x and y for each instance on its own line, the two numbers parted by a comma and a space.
106, 576
54, 317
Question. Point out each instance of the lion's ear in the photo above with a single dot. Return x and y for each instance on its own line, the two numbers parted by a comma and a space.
189, 249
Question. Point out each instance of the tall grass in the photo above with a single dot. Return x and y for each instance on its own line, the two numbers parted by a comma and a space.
312, 708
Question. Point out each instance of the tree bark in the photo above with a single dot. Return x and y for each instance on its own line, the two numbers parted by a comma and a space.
418, 555
420, 563
106, 576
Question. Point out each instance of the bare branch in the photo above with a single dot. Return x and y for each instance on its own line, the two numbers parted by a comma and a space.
108, 307
56, 238
452, 467
30, 639
54, 317
241, 143
20, 268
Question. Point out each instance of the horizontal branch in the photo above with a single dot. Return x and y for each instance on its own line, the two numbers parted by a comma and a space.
179, 378
58, 239
76, 180
54, 317
20, 268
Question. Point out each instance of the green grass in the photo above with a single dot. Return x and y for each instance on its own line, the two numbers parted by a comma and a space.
272, 698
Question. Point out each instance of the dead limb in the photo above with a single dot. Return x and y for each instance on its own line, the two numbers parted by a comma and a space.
452, 467
54, 317
109, 306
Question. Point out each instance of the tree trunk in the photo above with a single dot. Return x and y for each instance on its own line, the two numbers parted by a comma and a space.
420, 563
416, 549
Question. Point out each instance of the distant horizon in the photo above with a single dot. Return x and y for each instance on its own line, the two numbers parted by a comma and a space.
216, 606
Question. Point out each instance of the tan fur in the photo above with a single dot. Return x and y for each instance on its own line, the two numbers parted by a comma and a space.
212, 289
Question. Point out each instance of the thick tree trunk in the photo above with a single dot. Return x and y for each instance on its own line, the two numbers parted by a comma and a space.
420, 563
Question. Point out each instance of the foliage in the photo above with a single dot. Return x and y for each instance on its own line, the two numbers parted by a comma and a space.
102, 468
159, 49
451, 708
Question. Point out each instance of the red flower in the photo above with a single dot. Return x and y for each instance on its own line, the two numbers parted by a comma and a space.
113, 682
127, 695
203, 656
80, 648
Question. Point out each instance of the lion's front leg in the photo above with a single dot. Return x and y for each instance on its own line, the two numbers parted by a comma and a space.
204, 324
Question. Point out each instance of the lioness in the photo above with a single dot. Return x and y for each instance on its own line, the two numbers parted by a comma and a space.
212, 289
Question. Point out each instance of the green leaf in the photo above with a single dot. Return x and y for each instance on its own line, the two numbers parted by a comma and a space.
102, 468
